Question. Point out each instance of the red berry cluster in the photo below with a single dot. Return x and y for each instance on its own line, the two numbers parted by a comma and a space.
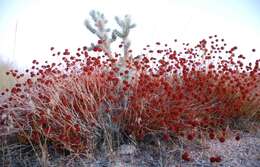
215, 159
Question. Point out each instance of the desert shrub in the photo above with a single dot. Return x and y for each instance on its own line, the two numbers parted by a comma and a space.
81, 99
6, 81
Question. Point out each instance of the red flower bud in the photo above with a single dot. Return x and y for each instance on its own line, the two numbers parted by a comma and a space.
212, 159
211, 135
222, 139
185, 156
237, 137
218, 159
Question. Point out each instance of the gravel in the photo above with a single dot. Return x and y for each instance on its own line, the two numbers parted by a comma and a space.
242, 153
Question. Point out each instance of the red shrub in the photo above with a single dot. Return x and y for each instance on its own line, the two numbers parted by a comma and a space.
174, 93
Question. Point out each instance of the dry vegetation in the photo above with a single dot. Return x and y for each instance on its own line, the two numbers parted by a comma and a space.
6, 81
90, 100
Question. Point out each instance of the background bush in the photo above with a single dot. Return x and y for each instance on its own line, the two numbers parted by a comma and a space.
5, 81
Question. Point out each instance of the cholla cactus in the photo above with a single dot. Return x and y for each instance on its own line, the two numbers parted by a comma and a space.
125, 25
102, 32
105, 41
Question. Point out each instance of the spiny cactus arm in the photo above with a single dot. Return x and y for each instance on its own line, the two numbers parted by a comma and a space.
119, 34
89, 27
132, 26
119, 22
94, 14
113, 36
100, 31
125, 25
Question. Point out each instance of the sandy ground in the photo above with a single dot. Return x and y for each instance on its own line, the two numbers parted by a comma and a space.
242, 153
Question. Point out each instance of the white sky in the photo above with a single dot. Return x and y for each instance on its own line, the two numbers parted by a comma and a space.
59, 23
